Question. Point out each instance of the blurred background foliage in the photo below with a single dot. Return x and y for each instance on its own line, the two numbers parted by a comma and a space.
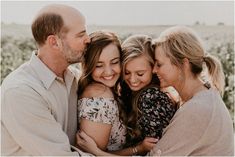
16, 48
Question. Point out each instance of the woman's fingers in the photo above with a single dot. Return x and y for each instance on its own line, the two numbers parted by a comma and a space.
151, 139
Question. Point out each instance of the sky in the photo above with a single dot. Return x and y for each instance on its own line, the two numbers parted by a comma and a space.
129, 12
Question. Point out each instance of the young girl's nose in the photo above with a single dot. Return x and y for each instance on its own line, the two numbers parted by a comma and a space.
108, 70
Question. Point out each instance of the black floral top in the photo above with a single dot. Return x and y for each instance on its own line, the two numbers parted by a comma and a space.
104, 110
157, 111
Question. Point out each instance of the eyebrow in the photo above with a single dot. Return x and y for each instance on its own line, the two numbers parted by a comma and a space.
136, 71
111, 59
84, 31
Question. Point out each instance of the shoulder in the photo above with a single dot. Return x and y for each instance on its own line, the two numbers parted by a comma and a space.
155, 99
98, 109
153, 93
97, 97
205, 102
97, 90
202, 106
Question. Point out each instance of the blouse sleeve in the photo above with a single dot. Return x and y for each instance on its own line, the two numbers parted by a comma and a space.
156, 112
97, 110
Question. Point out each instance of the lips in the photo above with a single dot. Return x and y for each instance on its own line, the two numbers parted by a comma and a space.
108, 77
160, 79
134, 84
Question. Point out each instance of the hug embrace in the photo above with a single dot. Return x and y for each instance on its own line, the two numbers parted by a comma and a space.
140, 96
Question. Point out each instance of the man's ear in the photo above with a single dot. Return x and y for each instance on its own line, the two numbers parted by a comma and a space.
53, 41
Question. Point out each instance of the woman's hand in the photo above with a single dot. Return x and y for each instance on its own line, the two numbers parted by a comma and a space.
146, 145
172, 94
86, 143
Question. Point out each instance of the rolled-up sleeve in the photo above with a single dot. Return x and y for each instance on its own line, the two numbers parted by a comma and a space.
28, 119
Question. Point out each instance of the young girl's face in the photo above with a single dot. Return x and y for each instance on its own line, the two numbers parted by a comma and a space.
138, 73
108, 69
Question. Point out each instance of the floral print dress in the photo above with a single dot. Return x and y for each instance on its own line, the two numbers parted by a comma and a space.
157, 111
104, 110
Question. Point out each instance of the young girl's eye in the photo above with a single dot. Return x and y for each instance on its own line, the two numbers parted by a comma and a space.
140, 74
158, 65
115, 62
98, 66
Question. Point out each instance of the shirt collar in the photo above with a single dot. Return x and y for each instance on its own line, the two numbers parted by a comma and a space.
69, 77
47, 76
43, 72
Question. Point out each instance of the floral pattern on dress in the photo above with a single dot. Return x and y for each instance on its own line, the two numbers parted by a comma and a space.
104, 110
157, 110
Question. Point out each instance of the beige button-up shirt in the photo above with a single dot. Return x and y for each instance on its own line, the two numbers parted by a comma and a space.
39, 111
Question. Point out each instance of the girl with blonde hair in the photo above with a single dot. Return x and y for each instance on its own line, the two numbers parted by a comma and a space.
150, 110
202, 125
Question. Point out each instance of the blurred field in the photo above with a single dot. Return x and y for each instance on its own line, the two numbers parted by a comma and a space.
17, 45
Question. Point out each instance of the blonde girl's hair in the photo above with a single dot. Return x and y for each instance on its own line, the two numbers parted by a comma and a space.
181, 42
133, 47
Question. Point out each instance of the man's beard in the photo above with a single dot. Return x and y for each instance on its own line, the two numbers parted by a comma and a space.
75, 59
71, 55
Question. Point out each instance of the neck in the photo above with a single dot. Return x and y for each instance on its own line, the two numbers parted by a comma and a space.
54, 62
189, 89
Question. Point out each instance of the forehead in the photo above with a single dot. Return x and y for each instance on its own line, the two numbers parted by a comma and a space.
74, 22
138, 63
109, 52
159, 53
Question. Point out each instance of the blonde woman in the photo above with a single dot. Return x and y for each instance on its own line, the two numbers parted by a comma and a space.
202, 125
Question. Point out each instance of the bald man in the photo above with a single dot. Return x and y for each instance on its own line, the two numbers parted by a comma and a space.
39, 100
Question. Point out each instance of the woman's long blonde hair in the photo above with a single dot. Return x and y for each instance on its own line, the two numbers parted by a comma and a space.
181, 42
133, 47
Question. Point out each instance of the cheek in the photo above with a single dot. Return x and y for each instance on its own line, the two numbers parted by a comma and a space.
146, 79
161, 70
126, 77
96, 74
117, 69
75, 43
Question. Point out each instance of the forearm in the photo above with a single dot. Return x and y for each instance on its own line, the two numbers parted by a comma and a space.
99, 152
130, 151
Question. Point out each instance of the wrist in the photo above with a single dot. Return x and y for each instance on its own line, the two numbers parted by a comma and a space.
134, 150
98, 152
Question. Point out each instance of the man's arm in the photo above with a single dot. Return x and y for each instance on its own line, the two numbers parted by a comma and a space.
28, 119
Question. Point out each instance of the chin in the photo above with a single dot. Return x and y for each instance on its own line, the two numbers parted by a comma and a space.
110, 85
135, 88
163, 85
